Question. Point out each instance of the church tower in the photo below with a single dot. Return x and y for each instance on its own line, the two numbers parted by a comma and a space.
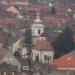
37, 28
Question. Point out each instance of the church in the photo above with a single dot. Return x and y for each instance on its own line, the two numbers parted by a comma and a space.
42, 50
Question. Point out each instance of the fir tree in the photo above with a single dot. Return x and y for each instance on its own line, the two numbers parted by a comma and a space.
28, 38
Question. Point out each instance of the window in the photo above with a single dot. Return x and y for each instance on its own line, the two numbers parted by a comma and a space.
25, 67
39, 31
46, 57
37, 57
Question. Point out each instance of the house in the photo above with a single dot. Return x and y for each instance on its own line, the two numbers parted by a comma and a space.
11, 64
67, 61
4, 2
7, 57
65, 64
13, 10
26, 66
6, 69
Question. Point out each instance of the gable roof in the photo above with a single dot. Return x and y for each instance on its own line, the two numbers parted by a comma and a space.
14, 10
67, 60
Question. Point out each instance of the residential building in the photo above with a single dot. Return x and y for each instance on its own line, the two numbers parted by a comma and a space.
7, 69
7, 57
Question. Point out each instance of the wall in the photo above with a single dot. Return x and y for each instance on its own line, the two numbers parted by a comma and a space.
42, 54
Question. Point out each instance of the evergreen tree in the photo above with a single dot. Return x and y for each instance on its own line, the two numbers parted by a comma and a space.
28, 38
64, 43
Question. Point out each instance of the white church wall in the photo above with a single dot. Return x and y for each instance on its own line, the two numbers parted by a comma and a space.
42, 55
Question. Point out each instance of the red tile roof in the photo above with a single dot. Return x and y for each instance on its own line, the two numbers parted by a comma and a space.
39, 8
43, 45
66, 60
6, 21
55, 20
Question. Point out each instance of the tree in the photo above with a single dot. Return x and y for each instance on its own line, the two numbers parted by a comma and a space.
64, 43
28, 38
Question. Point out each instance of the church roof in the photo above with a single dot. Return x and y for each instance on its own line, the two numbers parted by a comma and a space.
43, 45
